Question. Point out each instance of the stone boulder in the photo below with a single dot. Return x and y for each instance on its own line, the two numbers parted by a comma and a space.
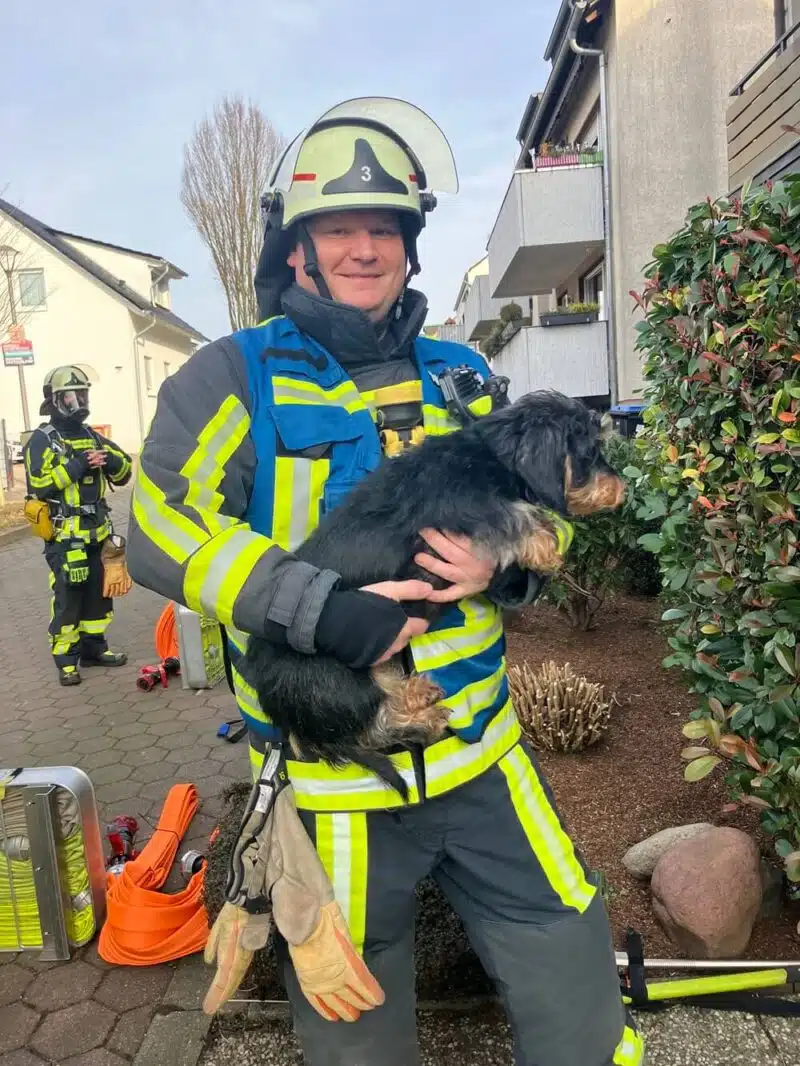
707, 893
642, 858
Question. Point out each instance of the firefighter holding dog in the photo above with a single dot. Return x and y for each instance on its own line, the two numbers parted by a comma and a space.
68, 467
253, 439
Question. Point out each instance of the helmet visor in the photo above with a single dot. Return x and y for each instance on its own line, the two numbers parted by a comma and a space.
419, 134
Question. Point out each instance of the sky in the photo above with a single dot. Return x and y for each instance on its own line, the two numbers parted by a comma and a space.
99, 98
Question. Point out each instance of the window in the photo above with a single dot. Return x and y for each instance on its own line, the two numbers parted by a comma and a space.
31, 288
148, 373
591, 289
167, 369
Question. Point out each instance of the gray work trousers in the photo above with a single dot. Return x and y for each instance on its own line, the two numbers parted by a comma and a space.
530, 909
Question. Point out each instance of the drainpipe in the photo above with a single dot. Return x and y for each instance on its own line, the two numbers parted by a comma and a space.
138, 373
136, 368
579, 7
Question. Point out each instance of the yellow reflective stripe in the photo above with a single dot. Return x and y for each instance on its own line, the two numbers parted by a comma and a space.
320, 787
97, 625
547, 839
437, 421
296, 391
246, 697
238, 638
299, 485
471, 699
342, 848
481, 406
452, 762
175, 534
61, 478
630, 1050
205, 467
217, 572
256, 761
481, 628
266, 321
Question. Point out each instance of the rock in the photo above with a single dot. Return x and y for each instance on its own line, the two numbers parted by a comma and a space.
642, 858
707, 893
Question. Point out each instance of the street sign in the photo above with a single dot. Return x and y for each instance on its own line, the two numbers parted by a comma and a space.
18, 353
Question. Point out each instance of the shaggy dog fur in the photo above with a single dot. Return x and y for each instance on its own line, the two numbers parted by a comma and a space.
492, 482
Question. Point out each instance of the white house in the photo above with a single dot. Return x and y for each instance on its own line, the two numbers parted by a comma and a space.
78, 300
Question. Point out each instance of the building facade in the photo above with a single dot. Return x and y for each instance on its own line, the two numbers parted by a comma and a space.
628, 132
71, 299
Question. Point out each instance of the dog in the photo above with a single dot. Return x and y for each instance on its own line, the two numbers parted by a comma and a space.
495, 482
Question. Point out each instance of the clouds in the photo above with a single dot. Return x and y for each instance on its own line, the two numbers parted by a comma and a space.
104, 95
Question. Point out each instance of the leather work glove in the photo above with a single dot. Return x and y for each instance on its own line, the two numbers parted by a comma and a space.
333, 976
282, 867
235, 937
116, 579
76, 563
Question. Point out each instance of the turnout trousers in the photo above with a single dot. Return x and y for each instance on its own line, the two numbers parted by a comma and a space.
532, 912
80, 614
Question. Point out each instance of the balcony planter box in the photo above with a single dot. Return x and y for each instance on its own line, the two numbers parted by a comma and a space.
567, 318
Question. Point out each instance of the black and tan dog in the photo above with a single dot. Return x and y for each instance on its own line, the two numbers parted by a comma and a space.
494, 482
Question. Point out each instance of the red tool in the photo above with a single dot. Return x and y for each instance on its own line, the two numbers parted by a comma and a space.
121, 834
150, 676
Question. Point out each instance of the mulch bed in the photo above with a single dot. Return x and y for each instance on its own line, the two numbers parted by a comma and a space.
630, 785
625, 788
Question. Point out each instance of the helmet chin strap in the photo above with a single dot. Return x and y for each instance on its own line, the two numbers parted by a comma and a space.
311, 266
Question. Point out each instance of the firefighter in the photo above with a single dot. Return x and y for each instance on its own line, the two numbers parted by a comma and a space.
68, 467
253, 438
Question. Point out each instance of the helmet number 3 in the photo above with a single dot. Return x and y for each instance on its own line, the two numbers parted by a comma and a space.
366, 173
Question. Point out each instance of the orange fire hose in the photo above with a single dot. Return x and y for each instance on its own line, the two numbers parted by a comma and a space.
165, 635
143, 926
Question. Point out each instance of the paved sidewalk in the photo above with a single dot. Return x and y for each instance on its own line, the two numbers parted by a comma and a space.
134, 746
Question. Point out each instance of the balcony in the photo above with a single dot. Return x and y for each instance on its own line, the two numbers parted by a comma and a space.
764, 101
569, 359
549, 225
480, 310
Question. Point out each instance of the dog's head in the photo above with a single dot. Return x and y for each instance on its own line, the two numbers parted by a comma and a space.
553, 443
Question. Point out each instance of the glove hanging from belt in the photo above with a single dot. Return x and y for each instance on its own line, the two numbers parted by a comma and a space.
275, 870
76, 563
116, 579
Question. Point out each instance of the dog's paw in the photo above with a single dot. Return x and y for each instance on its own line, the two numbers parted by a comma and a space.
541, 552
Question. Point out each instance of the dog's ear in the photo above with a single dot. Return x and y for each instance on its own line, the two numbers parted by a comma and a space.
530, 438
541, 463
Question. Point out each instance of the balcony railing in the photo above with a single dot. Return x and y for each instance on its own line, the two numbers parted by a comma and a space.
565, 157
777, 49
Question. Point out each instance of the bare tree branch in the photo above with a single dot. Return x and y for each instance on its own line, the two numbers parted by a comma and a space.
10, 235
226, 166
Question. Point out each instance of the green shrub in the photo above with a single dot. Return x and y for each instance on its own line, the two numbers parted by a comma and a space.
720, 450
605, 550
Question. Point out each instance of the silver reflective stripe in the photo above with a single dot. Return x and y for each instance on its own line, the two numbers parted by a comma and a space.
326, 786
346, 396
301, 501
171, 534
219, 570
505, 722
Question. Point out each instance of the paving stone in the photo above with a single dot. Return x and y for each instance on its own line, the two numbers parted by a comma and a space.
107, 775
97, 760
73, 1031
140, 742
96, 743
13, 982
104, 699
123, 730
151, 772
62, 987
176, 1038
164, 729
190, 738
31, 961
22, 1057
117, 792
91, 955
17, 1022
189, 983
99, 1057
133, 986
129, 1032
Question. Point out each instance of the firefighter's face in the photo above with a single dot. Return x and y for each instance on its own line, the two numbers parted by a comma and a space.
361, 256
74, 402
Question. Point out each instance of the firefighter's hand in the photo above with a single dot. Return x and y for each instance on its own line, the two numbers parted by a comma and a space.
400, 591
96, 458
468, 572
